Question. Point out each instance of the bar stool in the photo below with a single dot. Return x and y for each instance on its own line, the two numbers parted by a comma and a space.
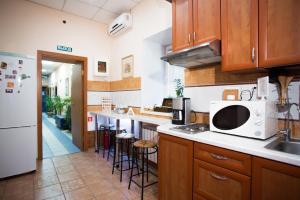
112, 140
142, 147
104, 131
123, 139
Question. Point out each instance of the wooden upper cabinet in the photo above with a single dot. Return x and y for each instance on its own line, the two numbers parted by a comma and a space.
279, 32
175, 168
182, 24
206, 24
273, 180
239, 28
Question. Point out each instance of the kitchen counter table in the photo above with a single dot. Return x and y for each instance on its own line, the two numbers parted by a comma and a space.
139, 118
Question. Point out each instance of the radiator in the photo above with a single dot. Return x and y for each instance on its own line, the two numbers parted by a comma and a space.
150, 133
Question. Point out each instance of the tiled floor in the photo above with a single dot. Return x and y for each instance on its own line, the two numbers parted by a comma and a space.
55, 141
79, 176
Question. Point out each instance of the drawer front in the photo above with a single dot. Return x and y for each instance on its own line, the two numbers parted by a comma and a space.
216, 183
225, 158
198, 197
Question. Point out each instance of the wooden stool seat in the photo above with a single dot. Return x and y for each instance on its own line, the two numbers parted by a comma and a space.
144, 144
125, 136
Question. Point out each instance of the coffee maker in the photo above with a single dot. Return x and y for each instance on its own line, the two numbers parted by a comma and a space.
181, 110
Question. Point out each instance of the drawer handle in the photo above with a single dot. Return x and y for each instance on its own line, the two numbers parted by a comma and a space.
218, 157
218, 177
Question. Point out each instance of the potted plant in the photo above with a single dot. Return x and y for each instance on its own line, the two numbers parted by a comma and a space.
178, 88
49, 106
58, 104
67, 103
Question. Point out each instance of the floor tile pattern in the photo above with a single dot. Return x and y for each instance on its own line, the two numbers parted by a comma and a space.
79, 176
55, 141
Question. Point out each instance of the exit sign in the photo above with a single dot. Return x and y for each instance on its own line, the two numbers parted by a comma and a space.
64, 48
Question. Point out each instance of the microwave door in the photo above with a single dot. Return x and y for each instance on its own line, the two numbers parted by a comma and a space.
231, 117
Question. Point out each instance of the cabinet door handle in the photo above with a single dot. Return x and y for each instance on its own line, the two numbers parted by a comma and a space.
194, 36
218, 177
253, 55
189, 38
218, 157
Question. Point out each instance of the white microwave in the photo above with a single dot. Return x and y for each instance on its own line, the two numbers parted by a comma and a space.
253, 119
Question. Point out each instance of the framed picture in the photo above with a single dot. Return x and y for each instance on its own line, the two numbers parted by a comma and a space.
101, 68
127, 66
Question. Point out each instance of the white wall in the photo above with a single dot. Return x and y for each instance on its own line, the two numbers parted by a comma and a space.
149, 18
58, 78
27, 27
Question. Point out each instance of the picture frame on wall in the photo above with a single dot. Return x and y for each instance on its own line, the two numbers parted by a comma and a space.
101, 68
127, 66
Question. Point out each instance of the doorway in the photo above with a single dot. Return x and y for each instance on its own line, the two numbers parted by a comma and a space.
62, 97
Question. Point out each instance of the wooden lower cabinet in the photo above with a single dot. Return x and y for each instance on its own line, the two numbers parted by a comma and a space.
273, 180
198, 197
175, 168
216, 183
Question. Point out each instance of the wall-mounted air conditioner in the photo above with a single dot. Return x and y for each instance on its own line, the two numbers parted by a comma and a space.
120, 24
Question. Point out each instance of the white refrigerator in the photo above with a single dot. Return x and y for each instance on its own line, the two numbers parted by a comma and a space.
18, 114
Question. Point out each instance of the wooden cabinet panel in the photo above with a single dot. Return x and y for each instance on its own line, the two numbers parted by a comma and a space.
175, 168
216, 183
279, 32
206, 14
198, 197
273, 180
239, 27
232, 160
182, 24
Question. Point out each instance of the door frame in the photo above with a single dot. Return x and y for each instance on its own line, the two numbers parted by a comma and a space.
66, 58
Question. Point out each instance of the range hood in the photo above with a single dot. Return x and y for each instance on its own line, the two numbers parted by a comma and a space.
201, 55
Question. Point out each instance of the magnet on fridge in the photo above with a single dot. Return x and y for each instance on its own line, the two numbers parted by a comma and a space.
9, 91
0, 72
10, 85
14, 71
21, 62
3, 65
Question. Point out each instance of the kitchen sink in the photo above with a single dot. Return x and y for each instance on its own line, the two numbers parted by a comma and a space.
292, 147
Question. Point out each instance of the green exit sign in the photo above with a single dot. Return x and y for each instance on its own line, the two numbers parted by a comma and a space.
64, 48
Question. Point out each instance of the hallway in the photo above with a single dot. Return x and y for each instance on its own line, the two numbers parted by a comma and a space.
56, 142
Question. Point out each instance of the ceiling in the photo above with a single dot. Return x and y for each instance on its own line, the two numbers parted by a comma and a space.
49, 66
104, 11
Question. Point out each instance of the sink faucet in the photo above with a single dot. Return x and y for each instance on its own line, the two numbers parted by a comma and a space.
287, 131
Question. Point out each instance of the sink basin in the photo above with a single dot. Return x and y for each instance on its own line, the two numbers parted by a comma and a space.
292, 147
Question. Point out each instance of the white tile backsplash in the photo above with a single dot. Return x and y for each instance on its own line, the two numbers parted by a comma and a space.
94, 98
201, 96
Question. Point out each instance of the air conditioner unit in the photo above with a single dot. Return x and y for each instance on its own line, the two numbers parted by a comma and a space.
120, 24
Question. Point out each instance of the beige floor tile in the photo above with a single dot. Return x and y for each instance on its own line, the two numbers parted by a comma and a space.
101, 187
45, 180
80, 194
48, 192
68, 176
60, 197
65, 169
112, 195
18, 188
91, 179
72, 185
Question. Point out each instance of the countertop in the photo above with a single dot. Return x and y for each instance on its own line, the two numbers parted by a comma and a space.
141, 118
241, 144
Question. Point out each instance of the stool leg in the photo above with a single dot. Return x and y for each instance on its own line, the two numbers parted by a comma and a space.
110, 141
137, 164
143, 170
121, 149
115, 154
147, 165
128, 153
103, 153
131, 170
